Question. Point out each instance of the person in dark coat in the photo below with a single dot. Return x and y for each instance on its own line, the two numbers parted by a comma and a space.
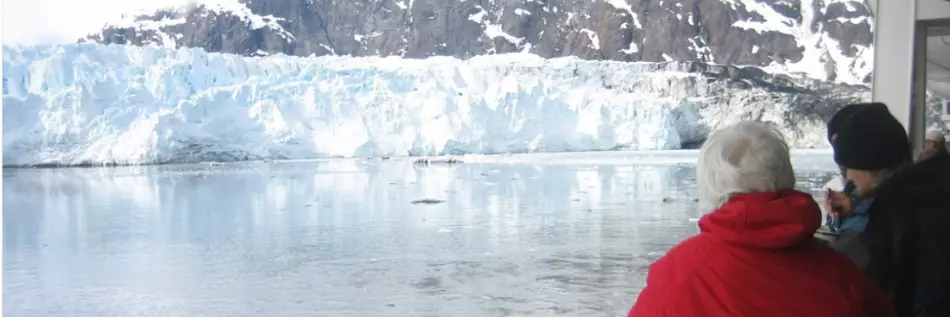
908, 206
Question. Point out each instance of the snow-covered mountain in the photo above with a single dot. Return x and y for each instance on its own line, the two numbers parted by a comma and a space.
95, 104
824, 39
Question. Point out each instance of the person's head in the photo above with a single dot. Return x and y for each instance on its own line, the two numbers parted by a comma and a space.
839, 118
871, 145
747, 157
934, 140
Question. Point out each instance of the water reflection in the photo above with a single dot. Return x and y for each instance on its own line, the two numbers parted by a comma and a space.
335, 238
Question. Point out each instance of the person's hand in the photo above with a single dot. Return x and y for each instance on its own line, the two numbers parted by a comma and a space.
838, 203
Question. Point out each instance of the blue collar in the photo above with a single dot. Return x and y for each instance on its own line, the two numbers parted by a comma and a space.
858, 219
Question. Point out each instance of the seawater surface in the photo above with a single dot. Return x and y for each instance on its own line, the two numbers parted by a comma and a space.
526, 235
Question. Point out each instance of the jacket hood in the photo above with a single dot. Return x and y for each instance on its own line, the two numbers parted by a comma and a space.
773, 220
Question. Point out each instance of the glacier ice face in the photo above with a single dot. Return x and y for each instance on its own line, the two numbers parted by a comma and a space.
95, 104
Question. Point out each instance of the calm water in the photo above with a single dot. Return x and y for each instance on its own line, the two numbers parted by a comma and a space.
344, 238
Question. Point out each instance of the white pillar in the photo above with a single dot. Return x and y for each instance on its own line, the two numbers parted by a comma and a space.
894, 26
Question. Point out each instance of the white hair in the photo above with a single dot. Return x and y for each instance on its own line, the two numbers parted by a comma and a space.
746, 157
936, 136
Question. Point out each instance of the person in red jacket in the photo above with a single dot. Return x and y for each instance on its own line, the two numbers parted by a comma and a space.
756, 254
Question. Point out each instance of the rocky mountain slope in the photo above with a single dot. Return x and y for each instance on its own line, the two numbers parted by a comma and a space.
823, 39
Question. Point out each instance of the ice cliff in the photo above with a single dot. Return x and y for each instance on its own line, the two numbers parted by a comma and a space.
84, 104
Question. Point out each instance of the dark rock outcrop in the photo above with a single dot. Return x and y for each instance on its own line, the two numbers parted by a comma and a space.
824, 38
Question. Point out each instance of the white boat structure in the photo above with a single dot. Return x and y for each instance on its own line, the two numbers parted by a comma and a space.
911, 56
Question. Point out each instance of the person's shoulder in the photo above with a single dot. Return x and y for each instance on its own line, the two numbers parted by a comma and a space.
694, 246
684, 259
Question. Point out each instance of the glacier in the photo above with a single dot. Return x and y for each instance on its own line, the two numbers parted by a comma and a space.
93, 104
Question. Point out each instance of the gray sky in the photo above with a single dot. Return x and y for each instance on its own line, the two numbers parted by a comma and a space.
64, 21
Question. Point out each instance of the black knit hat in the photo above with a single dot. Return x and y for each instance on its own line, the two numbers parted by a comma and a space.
834, 125
871, 139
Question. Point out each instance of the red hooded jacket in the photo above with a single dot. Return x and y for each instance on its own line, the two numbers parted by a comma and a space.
756, 256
